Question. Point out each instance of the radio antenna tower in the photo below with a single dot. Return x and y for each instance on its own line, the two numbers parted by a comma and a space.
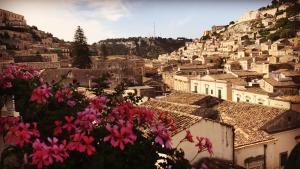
153, 29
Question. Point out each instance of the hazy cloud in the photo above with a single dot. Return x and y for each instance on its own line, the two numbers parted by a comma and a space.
112, 10
62, 17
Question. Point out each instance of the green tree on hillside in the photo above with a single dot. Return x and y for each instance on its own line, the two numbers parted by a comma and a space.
80, 50
104, 52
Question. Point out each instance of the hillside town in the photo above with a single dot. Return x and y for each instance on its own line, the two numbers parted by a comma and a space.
238, 84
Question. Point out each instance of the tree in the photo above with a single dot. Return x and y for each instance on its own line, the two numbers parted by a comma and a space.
80, 50
103, 51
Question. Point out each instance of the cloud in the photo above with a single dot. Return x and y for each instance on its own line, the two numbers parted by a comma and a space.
183, 21
112, 10
62, 17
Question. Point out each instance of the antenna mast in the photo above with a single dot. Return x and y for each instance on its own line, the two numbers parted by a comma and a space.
154, 29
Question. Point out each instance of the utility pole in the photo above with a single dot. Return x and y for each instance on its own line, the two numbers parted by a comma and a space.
154, 30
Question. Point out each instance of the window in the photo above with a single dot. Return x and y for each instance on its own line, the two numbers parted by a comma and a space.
195, 89
206, 89
237, 99
283, 158
211, 92
248, 99
219, 93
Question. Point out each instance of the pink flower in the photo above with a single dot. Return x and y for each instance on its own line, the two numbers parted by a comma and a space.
70, 123
82, 143
35, 132
120, 137
21, 134
99, 103
41, 94
88, 119
39, 154
7, 122
58, 129
62, 94
165, 119
87, 147
75, 141
14, 71
203, 166
204, 144
71, 103
145, 116
124, 111
45, 155
162, 135
57, 151
189, 136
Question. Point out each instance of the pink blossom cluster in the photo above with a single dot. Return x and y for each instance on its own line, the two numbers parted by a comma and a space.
124, 111
163, 136
120, 135
22, 133
13, 71
88, 119
41, 94
165, 119
204, 144
81, 143
8, 121
46, 154
126, 114
99, 103
63, 94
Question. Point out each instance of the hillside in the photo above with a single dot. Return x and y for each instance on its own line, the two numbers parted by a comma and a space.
19, 39
254, 31
145, 47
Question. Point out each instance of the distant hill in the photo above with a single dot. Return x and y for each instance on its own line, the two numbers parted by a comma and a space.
255, 30
141, 46
18, 38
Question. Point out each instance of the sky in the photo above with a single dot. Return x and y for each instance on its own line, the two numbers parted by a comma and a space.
102, 19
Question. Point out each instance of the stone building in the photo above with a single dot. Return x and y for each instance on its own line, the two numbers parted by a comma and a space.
264, 136
219, 133
219, 85
11, 19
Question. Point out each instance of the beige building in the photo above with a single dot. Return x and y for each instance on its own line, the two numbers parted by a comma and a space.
264, 136
11, 19
220, 134
253, 95
219, 85
50, 57
282, 82
262, 67
182, 83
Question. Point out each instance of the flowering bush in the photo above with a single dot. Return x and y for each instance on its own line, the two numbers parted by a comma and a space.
61, 128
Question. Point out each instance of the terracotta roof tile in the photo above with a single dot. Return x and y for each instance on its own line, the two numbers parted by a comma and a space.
182, 120
276, 83
247, 119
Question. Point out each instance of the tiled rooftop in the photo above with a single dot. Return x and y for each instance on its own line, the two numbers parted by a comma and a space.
222, 76
247, 119
294, 99
242, 73
184, 98
182, 120
274, 82
256, 90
